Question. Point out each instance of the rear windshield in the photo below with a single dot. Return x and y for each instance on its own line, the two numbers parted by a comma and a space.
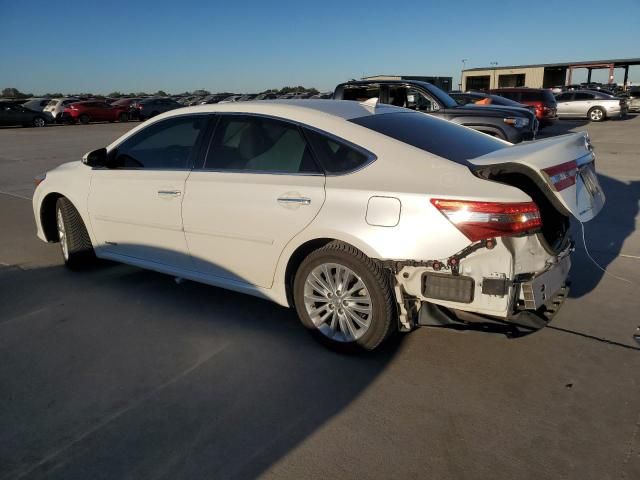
538, 96
439, 137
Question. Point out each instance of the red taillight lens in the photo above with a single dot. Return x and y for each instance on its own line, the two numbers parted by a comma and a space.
562, 176
480, 220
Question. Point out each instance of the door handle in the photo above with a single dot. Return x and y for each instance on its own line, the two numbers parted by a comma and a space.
294, 200
169, 193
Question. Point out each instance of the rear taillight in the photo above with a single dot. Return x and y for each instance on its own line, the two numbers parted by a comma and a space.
562, 176
481, 220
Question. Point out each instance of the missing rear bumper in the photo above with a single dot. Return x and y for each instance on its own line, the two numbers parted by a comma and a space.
520, 323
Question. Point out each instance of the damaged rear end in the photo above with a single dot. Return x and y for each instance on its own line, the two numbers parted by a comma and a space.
514, 272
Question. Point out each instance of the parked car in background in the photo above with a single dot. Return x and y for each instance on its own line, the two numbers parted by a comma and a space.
481, 99
366, 220
543, 101
15, 114
231, 99
130, 104
634, 100
150, 107
56, 107
323, 95
211, 99
94, 111
590, 104
247, 97
513, 125
36, 104
266, 96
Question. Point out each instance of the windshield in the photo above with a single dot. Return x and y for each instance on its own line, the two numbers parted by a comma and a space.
439, 137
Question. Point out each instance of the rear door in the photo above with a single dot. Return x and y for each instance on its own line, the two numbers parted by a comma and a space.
582, 102
564, 165
260, 186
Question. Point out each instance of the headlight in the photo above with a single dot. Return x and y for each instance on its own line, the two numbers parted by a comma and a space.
517, 122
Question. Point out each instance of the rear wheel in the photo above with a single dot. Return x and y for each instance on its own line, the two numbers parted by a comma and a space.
344, 298
123, 117
75, 243
597, 114
83, 119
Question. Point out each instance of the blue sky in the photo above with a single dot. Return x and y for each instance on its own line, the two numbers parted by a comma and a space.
247, 46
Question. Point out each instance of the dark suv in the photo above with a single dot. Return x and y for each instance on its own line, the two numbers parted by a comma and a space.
543, 101
507, 123
150, 107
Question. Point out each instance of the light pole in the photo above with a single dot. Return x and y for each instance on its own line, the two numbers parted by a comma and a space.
495, 66
464, 63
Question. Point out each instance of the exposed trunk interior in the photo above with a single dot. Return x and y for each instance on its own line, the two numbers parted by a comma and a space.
554, 235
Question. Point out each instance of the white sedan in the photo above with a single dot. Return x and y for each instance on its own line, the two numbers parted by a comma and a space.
366, 218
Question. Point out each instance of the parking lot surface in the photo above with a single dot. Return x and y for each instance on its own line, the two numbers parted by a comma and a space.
123, 373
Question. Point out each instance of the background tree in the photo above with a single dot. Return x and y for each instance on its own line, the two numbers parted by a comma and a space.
161, 93
14, 93
115, 94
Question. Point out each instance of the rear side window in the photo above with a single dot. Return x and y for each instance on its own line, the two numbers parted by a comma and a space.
584, 96
165, 145
335, 155
258, 144
565, 97
439, 137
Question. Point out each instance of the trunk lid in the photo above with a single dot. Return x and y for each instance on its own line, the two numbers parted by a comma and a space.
562, 167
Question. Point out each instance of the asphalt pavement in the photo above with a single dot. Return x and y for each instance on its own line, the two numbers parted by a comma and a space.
120, 373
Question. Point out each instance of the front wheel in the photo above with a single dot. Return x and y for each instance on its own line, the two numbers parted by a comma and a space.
77, 250
344, 298
39, 122
597, 114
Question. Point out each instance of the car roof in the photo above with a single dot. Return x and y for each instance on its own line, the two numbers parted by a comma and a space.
294, 109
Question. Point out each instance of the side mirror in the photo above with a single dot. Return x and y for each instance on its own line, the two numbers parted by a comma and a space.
96, 158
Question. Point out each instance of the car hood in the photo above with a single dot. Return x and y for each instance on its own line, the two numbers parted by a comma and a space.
490, 110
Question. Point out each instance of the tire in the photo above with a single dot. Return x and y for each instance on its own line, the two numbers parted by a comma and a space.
75, 243
597, 114
84, 119
123, 117
333, 310
39, 122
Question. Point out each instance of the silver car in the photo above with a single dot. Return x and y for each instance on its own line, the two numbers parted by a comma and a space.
634, 101
596, 106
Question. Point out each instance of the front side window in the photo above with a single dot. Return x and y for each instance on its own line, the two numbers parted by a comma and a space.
257, 144
334, 155
165, 145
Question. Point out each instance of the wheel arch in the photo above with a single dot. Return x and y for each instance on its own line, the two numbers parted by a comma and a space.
48, 216
304, 248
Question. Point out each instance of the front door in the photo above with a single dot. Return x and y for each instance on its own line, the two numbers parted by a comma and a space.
260, 186
136, 205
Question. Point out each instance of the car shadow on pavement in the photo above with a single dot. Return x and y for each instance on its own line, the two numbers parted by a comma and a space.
605, 235
118, 372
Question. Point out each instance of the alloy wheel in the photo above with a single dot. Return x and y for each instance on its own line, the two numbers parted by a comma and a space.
596, 115
39, 122
62, 235
337, 302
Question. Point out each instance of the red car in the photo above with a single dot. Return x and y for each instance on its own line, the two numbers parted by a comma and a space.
542, 99
95, 111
